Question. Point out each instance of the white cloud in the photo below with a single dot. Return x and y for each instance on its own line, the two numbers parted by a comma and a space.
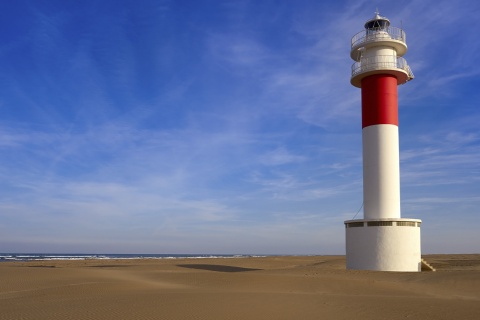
280, 156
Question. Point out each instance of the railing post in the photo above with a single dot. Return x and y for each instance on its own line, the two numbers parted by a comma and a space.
393, 32
379, 62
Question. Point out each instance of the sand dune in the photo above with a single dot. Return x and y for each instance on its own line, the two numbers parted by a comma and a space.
315, 287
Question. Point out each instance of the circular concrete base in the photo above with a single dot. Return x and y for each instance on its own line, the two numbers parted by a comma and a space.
383, 245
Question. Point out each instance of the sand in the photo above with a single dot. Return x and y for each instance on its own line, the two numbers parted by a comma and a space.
314, 287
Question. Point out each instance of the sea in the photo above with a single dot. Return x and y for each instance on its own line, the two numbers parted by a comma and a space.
5, 257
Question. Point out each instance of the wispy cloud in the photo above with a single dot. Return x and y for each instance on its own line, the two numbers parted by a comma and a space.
280, 156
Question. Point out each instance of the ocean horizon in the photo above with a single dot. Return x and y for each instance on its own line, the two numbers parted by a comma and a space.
5, 257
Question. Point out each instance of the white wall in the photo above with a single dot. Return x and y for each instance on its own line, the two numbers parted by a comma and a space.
384, 248
381, 172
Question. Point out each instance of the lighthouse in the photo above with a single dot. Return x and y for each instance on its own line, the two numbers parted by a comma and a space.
382, 240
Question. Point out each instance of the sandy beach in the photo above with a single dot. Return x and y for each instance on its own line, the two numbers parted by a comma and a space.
312, 287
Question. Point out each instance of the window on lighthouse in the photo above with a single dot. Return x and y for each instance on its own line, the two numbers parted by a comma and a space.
377, 25
377, 29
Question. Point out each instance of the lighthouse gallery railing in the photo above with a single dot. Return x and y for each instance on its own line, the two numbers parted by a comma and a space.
381, 62
379, 34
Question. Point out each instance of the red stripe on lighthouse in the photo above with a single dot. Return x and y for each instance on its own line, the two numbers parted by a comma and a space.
379, 100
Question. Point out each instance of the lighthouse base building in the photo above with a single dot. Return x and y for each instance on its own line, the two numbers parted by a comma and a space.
383, 245
382, 240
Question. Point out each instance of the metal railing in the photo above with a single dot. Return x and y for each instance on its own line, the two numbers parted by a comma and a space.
381, 62
392, 33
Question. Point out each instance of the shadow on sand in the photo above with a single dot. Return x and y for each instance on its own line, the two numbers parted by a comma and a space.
216, 267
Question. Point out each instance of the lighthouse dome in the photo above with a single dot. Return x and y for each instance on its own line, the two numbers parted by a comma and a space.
377, 23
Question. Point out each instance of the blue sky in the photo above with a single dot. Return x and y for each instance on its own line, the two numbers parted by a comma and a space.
224, 126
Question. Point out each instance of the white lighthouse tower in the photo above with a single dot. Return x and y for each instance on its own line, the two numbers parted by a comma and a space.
382, 240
